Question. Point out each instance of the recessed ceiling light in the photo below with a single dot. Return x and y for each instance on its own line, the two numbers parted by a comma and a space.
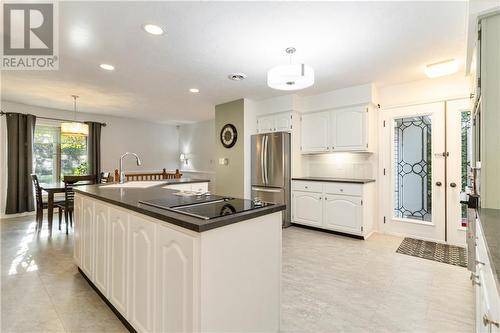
194, 90
441, 68
107, 67
237, 76
153, 29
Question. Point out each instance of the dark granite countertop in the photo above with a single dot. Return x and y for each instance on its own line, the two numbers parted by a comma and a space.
335, 180
129, 198
490, 223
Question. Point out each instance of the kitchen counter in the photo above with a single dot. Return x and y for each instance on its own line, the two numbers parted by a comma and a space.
335, 180
129, 198
164, 271
490, 224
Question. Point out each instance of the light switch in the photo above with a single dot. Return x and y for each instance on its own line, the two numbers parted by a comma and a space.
223, 161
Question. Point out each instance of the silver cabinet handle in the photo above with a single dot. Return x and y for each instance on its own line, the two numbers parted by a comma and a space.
480, 263
487, 321
474, 278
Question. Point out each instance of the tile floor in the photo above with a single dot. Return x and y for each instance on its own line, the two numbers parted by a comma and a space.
330, 284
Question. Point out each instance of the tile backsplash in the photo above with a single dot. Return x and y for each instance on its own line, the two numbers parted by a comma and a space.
340, 165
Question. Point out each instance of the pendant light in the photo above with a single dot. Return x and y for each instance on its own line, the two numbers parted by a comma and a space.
75, 128
291, 76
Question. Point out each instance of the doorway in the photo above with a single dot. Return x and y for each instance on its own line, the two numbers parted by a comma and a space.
426, 153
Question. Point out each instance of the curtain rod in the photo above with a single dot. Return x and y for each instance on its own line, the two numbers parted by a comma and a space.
49, 118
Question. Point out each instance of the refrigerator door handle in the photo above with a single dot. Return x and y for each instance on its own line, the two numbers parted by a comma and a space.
263, 189
266, 180
262, 160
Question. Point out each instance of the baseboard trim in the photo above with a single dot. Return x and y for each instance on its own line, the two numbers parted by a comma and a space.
108, 303
329, 231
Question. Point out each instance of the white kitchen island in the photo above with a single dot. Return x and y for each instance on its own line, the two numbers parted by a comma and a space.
167, 272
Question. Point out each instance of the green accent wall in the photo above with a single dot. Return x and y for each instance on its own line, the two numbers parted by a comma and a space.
230, 178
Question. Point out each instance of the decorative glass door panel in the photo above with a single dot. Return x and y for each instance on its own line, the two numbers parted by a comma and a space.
413, 168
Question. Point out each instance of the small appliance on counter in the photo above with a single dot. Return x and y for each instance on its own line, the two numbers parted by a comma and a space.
271, 170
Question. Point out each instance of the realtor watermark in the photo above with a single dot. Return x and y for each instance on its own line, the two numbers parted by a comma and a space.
30, 38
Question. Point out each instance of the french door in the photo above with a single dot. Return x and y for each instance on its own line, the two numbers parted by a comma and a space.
425, 154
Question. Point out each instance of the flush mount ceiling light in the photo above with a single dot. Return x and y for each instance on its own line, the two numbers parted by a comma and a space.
107, 67
237, 76
194, 90
75, 128
153, 29
291, 76
441, 68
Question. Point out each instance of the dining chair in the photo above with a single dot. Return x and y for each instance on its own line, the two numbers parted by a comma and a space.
69, 198
40, 204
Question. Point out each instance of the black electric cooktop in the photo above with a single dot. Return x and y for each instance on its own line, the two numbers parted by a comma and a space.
205, 207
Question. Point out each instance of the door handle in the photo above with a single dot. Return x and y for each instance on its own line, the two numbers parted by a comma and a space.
439, 183
453, 185
262, 189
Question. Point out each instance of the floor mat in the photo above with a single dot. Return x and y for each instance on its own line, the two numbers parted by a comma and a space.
448, 254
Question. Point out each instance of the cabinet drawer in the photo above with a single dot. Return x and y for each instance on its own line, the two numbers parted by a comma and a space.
307, 186
344, 188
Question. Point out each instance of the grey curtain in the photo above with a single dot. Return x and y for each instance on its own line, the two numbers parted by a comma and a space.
94, 148
20, 133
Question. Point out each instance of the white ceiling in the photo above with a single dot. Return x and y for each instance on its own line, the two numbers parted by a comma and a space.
347, 43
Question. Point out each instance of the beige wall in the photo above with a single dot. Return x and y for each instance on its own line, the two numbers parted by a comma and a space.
230, 178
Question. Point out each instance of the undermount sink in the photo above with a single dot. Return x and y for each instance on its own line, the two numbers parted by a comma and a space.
140, 184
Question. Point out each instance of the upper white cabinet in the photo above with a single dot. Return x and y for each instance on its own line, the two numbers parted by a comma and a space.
336, 130
348, 129
315, 132
276, 122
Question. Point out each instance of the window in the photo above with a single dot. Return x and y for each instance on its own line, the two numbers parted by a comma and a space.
56, 155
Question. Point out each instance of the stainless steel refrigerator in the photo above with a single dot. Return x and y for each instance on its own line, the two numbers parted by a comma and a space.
271, 170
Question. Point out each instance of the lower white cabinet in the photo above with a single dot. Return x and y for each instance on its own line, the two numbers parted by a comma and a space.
86, 236
175, 265
487, 293
343, 213
77, 238
118, 261
100, 236
141, 263
343, 207
306, 208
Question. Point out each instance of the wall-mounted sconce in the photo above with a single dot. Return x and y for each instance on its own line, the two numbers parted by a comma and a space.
184, 159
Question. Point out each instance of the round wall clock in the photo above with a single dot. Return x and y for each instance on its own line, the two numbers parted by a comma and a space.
228, 135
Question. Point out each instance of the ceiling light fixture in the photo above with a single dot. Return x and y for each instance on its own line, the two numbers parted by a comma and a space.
441, 68
153, 29
237, 76
75, 128
194, 90
107, 67
291, 76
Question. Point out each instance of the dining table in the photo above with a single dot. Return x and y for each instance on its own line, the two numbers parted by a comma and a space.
53, 188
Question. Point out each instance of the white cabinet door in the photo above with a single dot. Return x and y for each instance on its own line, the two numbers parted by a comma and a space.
343, 213
315, 132
283, 121
101, 224
307, 208
141, 273
175, 267
265, 124
199, 187
117, 259
349, 129
77, 232
87, 236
